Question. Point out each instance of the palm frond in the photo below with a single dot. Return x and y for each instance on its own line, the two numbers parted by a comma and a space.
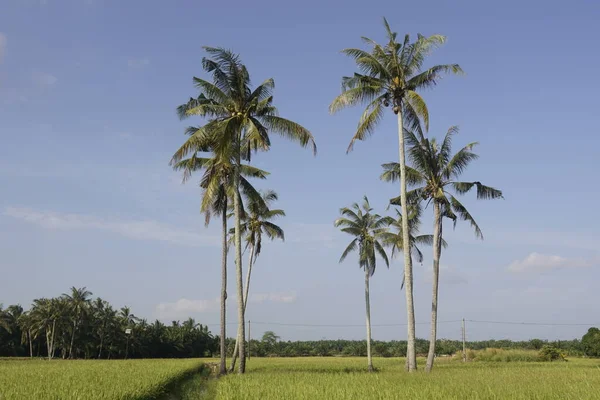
350, 248
290, 130
464, 214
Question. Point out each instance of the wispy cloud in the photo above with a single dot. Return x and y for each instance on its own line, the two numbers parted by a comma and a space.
3, 42
185, 307
134, 63
282, 297
43, 79
545, 262
133, 229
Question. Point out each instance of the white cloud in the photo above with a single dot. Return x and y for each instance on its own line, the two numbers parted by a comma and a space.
282, 297
43, 79
184, 307
138, 62
133, 229
546, 262
3, 42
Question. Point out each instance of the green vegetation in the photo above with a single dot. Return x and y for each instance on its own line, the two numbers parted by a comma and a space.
97, 379
345, 378
62, 327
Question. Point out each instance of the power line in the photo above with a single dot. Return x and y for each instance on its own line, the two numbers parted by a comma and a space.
528, 323
417, 323
332, 325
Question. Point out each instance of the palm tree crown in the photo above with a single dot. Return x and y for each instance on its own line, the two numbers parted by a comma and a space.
257, 221
238, 114
390, 76
368, 229
435, 171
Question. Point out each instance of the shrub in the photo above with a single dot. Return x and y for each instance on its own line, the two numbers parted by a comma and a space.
546, 353
550, 353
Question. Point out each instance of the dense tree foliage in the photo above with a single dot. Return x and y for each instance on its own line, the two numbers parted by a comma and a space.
394, 348
76, 326
590, 343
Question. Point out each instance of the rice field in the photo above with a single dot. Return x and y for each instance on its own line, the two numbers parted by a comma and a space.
299, 378
344, 378
92, 379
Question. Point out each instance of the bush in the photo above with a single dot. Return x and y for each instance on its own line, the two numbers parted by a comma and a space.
500, 355
550, 353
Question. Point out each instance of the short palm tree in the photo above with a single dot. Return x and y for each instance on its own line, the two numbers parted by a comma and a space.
78, 302
390, 76
368, 230
241, 118
435, 171
217, 185
394, 238
256, 222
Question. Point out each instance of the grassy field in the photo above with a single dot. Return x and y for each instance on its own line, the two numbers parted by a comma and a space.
298, 378
94, 379
344, 378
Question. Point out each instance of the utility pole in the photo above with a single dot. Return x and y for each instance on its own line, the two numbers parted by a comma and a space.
248, 339
464, 334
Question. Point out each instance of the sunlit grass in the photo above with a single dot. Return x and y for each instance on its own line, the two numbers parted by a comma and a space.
91, 379
347, 378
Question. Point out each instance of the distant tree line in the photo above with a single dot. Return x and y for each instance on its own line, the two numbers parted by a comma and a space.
75, 326
398, 348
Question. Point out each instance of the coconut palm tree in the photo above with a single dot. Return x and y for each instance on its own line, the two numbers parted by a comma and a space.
256, 222
217, 185
368, 230
46, 316
241, 117
435, 172
390, 76
78, 302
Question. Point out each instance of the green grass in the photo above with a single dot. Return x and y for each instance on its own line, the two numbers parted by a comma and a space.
346, 378
93, 379
299, 378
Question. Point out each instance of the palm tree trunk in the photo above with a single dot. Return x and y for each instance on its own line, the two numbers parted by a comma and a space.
53, 336
437, 251
223, 345
238, 261
30, 343
48, 343
101, 342
246, 291
368, 305
411, 364
72, 339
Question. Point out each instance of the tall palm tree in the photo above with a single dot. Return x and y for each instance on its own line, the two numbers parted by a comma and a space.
368, 230
78, 302
217, 185
435, 171
240, 117
256, 222
391, 75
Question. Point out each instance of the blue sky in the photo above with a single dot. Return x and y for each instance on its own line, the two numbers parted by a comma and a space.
88, 91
